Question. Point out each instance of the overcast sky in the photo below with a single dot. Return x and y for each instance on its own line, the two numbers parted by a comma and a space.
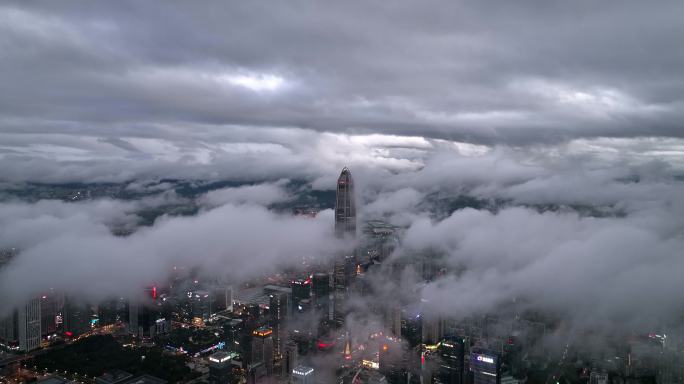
533, 102
119, 90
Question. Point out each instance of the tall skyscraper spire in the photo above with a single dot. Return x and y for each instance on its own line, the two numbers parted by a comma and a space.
345, 228
345, 205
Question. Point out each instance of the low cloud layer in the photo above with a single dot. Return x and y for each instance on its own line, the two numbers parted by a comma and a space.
259, 194
74, 251
593, 271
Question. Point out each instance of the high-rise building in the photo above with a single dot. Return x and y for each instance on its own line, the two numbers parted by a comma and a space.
262, 348
391, 362
301, 290
222, 298
393, 318
112, 311
29, 325
145, 320
485, 367
290, 357
451, 361
433, 328
278, 309
221, 367
77, 318
49, 308
345, 205
344, 264
9, 332
201, 305
411, 326
321, 292
234, 329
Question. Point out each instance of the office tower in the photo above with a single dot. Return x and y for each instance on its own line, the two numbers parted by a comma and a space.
321, 292
485, 367
345, 205
433, 328
290, 356
28, 325
278, 309
302, 375
351, 267
344, 264
393, 318
411, 327
76, 318
222, 298
9, 332
450, 366
234, 329
391, 362
262, 348
49, 308
345, 226
301, 290
221, 367
201, 307
112, 311
144, 320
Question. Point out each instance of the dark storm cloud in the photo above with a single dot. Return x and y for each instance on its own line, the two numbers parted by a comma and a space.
518, 73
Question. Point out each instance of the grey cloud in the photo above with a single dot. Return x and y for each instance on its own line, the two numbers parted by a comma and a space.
227, 240
260, 194
514, 74
531, 103
593, 272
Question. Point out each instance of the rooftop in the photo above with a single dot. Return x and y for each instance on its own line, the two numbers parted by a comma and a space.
221, 357
276, 288
54, 380
114, 376
146, 379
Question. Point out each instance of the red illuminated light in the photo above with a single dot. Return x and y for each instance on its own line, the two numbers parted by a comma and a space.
324, 345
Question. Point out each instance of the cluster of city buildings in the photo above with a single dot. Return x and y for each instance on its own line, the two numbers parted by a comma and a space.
293, 326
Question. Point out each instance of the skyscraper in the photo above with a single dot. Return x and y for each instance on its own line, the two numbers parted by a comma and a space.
321, 293
301, 290
262, 348
278, 309
49, 307
450, 369
345, 205
29, 325
485, 367
345, 228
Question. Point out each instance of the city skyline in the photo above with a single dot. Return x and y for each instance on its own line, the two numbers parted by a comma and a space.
176, 186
